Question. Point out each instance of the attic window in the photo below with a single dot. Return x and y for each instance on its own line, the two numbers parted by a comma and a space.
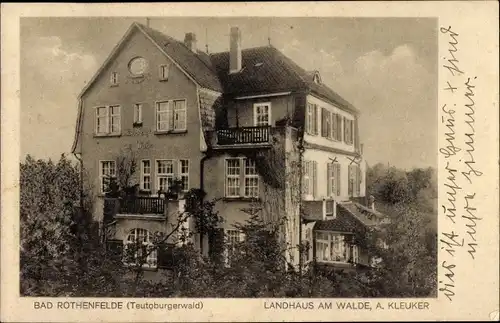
113, 79
316, 78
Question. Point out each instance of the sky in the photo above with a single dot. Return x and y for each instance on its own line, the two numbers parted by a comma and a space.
386, 67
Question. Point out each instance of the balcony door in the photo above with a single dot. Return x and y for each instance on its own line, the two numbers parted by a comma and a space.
262, 114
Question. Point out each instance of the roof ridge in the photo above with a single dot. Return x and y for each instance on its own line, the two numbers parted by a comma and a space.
243, 50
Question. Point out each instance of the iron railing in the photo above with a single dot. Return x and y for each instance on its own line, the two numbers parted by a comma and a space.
243, 135
142, 205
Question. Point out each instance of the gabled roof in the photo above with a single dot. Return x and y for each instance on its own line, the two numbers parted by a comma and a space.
267, 70
365, 215
195, 65
263, 71
343, 222
351, 217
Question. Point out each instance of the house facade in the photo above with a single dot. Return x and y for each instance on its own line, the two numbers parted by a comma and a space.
249, 127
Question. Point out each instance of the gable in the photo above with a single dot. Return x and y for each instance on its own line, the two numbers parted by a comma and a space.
193, 65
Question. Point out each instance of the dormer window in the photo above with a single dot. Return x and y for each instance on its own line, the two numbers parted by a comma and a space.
114, 79
329, 208
316, 78
163, 72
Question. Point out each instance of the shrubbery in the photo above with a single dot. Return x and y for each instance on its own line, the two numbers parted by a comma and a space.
61, 253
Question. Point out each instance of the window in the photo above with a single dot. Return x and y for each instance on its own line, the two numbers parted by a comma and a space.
171, 115
354, 180
326, 129
233, 177
309, 178
108, 120
233, 237
333, 175
102, 123
179, 115
329, 207
184, 174
312, 119
251, 179
332, 247
163, 72
137, 113
262, 114
336, 127
163, 115
348, 131
164, 175
145, 175
139, 249
240, 183
115, 119
338, 250
355, 254
113, 79
106, 173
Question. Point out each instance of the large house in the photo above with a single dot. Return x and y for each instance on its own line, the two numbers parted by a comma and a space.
248, 126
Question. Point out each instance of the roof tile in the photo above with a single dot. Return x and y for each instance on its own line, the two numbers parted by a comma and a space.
198, 65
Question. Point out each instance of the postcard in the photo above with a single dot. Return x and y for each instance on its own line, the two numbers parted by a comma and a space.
240, 162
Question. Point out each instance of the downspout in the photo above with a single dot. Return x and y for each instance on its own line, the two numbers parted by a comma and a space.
205, 157
301, 156
81, 179
208, 154
75, 143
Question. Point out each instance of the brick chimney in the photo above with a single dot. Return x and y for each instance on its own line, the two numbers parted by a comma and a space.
234, 50
190, 42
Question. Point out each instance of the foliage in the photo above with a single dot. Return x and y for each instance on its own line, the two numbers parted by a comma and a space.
408, 197
60, 258
60, 253
393, 185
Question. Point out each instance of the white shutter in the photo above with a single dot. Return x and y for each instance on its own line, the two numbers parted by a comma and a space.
329, 172
315, 178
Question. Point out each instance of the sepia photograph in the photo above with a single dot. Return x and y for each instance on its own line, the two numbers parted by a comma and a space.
229, 157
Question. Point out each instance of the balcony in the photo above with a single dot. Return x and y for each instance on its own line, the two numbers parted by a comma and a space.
242, 136
140, 205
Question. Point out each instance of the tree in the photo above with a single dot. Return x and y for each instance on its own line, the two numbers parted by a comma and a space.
408, 266
59, 249
47, 193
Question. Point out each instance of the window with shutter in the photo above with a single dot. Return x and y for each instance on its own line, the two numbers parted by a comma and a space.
337, 177
315, 119
339, 128
330, 185
358, 180
324, 124
351, 180
345, 129
315, 178
328, 125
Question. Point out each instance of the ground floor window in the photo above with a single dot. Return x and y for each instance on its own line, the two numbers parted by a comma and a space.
139, 249
335, 247
232, 237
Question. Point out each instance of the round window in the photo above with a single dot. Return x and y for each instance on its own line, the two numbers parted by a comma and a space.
138, 66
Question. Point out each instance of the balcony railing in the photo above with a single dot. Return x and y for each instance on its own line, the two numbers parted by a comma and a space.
142, 205
243, 135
